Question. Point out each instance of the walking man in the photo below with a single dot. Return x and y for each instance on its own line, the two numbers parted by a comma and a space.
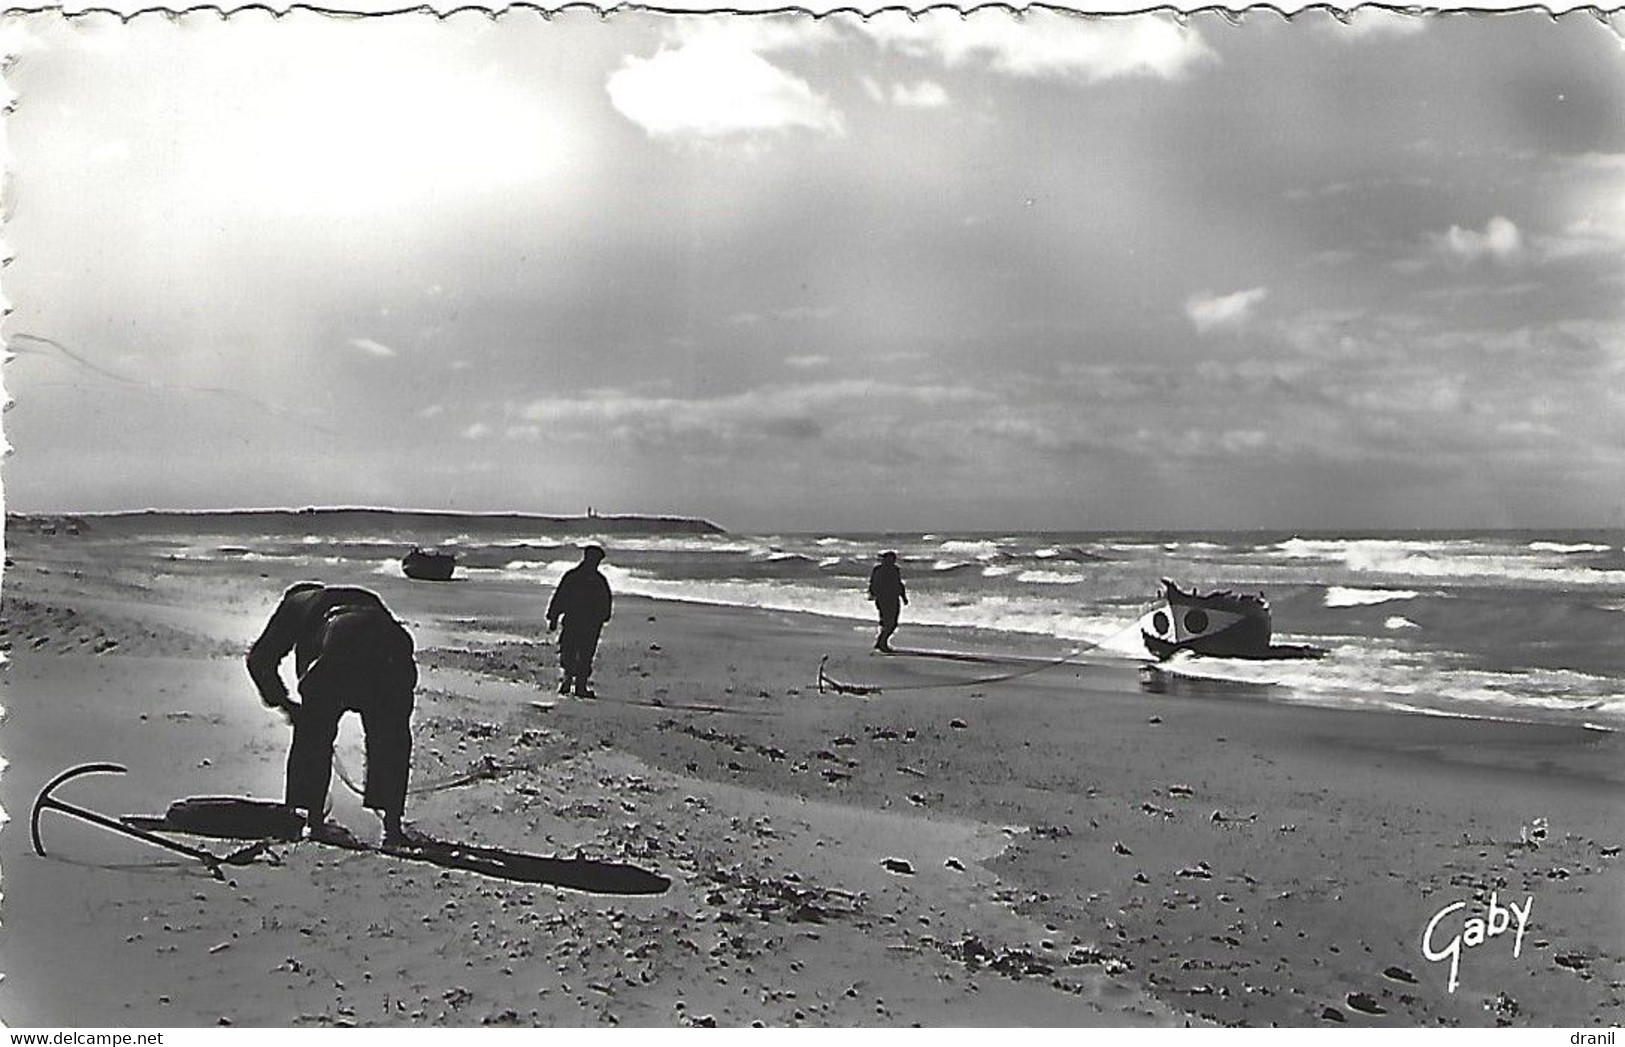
350, 654
886, 590
584, 601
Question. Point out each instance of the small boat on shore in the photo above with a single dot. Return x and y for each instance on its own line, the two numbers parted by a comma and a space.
1221, 624
429, 565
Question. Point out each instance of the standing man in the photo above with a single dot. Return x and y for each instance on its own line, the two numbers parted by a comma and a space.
350, 654
886, 590
583, 600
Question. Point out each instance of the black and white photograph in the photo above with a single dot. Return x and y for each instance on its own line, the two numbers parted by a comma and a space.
932, 519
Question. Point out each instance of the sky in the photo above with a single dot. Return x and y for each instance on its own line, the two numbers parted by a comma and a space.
944, 273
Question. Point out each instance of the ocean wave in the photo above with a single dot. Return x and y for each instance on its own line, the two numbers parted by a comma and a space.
678, 544
1051, 577
1559, 547
1451, 559
1486, 568
981, 550
999, 612
549, 566
1339, 548
1345, 596
1482, 602
1360, 674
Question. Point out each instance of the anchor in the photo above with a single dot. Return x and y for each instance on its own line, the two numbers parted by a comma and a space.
46, 801
828, 682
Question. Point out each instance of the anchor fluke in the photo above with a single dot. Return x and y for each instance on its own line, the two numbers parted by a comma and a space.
47, 801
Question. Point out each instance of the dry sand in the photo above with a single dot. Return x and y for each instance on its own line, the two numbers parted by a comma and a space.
1062, 849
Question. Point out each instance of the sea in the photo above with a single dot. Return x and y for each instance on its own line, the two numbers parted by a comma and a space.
1518, 625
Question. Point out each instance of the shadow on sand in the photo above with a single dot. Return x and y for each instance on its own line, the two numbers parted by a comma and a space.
240, 818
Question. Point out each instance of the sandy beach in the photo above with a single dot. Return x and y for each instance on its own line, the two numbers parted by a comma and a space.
1065, 848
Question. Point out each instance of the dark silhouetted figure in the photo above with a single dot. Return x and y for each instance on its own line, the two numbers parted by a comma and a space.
350, 654
886, 590
583, 600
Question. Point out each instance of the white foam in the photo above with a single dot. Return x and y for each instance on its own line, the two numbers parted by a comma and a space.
1020, 613
1356, 674
1559, 547
1399, 622
1456, 559
1345, 596
981, 550
1051, 577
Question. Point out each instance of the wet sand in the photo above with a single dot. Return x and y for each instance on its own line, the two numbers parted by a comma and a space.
1065, 848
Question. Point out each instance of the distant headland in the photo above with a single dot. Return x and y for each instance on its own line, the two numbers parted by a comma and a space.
341, 520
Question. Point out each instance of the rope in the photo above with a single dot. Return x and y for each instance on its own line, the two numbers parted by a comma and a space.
486, 768
825, 681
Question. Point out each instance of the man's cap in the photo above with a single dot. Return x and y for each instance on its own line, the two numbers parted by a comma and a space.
593, 552
888, 555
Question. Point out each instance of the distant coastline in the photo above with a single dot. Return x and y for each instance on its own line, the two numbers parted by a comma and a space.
340, 519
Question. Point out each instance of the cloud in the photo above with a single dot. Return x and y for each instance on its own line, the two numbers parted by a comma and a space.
1500, 242
1373, 23
1044, 44
807, 312
925, 94
477, 431
714, 84
367, 345
1582, 238
432, 411
795, 313
1057, 435
1388, 390
1211, 312
796, 413
807, 363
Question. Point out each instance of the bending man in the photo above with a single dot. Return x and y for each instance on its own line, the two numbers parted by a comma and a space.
350, 654
584, 601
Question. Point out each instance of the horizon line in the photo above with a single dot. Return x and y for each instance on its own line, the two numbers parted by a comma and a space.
671, 516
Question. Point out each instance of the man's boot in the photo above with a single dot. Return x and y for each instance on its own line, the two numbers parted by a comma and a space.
564, 684
584, 689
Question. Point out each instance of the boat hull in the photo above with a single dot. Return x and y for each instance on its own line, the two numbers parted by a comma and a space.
1221, 625
428, 567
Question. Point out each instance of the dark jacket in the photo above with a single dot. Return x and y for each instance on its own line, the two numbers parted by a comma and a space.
583, 597
296, 626
886, 582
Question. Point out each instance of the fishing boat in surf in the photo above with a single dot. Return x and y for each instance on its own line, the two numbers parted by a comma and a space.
429, 565
1221, 624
